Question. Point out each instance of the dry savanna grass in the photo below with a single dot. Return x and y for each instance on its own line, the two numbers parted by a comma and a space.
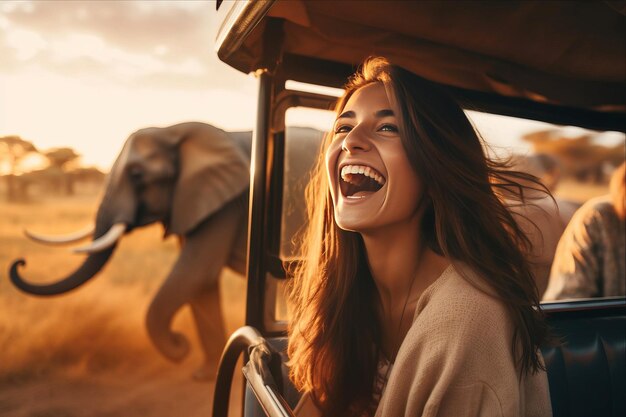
86, 353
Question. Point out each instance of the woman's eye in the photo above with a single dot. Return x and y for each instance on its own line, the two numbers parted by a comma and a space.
388, 128
342, 129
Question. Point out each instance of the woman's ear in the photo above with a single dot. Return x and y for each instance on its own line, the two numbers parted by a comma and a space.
212, 171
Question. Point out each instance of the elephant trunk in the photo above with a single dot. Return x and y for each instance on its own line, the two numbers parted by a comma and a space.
82, 274
88, 269
118, 205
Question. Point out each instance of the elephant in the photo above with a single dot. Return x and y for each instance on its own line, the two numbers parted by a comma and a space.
194, 179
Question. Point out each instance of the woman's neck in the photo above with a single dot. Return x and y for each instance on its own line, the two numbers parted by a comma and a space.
393, 256
402, 267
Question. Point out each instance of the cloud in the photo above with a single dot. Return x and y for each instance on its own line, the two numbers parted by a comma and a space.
163, 43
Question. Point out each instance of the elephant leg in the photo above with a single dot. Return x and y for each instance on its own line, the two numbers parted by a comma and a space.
195, 274
239, 255
207, 314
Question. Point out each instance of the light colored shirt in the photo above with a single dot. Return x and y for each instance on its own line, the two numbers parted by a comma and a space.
590, 259
457, 359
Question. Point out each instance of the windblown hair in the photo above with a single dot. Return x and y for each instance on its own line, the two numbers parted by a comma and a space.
334, 329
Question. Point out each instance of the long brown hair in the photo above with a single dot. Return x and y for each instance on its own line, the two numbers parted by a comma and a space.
334, 328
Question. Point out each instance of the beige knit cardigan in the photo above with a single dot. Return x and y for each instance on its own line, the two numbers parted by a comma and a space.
457, 359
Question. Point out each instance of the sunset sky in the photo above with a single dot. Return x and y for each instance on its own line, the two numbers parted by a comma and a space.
87, 74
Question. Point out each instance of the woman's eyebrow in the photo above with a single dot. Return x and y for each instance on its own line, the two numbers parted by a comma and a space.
347, 114
384, 113
380, 114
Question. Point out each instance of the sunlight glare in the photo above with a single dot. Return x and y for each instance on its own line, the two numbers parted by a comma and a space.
26, 43
96, 117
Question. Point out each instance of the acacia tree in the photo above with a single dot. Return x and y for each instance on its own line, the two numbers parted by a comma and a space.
59, 159
12, 150
579, 157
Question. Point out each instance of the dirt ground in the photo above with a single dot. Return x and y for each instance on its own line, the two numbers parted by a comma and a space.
86, 353
163, 393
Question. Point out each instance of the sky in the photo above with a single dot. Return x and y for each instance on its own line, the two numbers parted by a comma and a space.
86, 74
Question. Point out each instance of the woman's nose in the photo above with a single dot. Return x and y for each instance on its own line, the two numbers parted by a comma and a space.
356, 140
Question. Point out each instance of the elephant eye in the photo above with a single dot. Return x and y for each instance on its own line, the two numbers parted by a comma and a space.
136, 174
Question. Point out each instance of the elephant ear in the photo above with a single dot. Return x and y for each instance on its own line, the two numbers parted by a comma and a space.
119, 202
213, 170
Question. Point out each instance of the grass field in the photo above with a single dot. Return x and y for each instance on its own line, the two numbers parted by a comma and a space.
86, 353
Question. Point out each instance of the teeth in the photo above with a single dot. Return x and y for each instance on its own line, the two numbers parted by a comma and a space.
361, 169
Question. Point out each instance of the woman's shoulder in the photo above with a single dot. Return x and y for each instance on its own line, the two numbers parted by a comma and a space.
461, 299
461, 322
462, 288
595, 221
595, 209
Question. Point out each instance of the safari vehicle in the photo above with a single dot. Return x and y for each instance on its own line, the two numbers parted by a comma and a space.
556, 62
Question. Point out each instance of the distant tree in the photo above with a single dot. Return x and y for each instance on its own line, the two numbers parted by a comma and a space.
60, 159
579, 157
12, 150
88, 174
87, 179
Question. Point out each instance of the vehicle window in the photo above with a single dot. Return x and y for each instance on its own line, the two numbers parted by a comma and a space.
303, 139
305, 131
580, 251
582, 160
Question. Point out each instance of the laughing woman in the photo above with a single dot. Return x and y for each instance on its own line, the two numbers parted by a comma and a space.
415, 297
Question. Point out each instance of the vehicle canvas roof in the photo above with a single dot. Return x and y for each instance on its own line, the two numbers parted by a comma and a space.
565, 53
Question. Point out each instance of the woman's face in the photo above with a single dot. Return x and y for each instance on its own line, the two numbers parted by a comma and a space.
371, 180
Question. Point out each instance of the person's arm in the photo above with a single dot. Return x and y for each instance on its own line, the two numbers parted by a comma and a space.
576, 268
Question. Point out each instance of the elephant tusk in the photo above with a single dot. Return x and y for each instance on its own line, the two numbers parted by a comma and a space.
105, 241
60, 240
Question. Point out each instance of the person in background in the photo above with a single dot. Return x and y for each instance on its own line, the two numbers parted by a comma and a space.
591, 255
414, 296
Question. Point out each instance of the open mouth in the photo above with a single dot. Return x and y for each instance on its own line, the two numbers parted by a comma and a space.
358, 181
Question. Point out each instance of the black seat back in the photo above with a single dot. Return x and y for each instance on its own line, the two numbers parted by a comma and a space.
587, 368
